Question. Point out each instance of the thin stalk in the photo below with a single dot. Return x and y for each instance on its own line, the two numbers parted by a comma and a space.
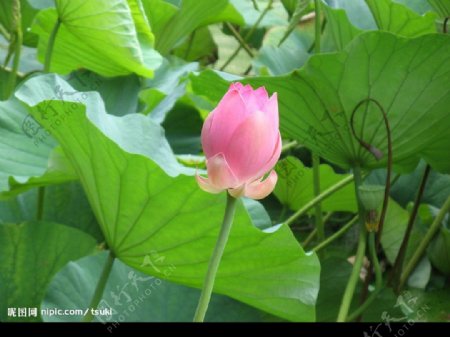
242, 43
100, 288
317, 27
255, 5
16, 61
315, 157
296, 17
40, 203
335, 235
327, 217
360, 253
398, 264
322, 196
309, 238
189, 46
247, 71
378, 155
17, 39
213, 266
313, 45
395, 179
378, 279
424, 243
50, 45
248, 35
288, 146
365, 290
4, 32
10, 52
318, 209
283, 212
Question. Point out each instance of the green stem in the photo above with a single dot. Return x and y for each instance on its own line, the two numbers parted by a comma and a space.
40, 203
318, 30
360, 252
255, 5
327, 217
336, 235
395, 179
288, 146
295, 18
424, 243
318, 208
16, 39
50, 45
283, 212
100, 288
4, 32
322, 196
242, 43
189, 46
378, 279
398, 264
315, 157
16, 61
213, 266
309, 238
248, 35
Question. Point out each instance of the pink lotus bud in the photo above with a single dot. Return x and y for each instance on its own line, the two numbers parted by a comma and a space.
241, 142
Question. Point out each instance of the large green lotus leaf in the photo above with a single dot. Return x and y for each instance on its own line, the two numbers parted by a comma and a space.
408, 77
399, 19
27, 158
111, 38
295, 186
31, 253
153, 222
135, 297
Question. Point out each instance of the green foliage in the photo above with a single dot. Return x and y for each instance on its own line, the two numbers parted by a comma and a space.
100, 154
86, 41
